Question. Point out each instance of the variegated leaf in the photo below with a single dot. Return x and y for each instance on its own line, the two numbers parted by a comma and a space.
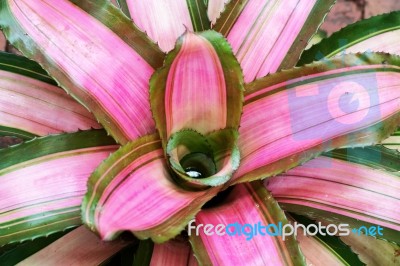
377, 34
269, 35
43, 182
292, 116
31, 105
356, 186
247, 205
165, 20
97, 55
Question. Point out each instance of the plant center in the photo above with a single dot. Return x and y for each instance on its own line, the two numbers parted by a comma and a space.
198, 165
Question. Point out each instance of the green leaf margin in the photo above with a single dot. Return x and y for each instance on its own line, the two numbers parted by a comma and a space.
351, 35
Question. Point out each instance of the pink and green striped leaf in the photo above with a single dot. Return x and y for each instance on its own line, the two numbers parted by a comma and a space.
94, 52
79, 247
345, 188
31, 105
249, 204
17, 252
270, 35
165, 20
292, 116
377, 34
323, 249
133, 191
43, 182
175, 252
316, 251
201, 69
372, 251
393, 142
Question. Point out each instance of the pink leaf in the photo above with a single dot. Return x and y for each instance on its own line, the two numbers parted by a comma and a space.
375, 43
215, 7
39, 108
96, 65
174, 252
246, 204
163, 20
316, 252
292, 116
79, 247
199, 87
265, 34
44, 180
195, 75
133, 190
343, 188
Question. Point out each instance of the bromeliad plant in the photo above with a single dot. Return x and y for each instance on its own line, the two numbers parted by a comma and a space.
193, 131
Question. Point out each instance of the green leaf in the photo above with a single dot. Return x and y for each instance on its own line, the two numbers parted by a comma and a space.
379, 34
124, 7
14, 132
23, 66
22, 251
143, 253
198, 15
377, 157
43, 146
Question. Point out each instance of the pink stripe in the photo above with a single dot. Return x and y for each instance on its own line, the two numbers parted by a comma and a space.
236, 250
315, 251
174, 253
264, 33
318, 206
120, 178
150, 181
101, 178
195, 95
363, 177
38, 107
65, 176
122, 88
311, 76
74, 204
385, 42
341, 187
79, 247
163, 20
296, 123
